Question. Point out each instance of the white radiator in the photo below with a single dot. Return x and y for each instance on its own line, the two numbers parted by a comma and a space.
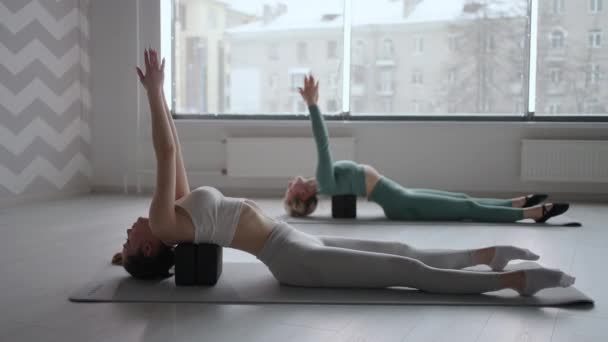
280, 157
564, 160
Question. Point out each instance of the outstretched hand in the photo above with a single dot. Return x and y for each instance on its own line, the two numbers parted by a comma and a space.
154, 76
310, 92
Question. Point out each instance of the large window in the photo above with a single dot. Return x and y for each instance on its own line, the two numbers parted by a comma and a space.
394, 58
570, 62
595, 6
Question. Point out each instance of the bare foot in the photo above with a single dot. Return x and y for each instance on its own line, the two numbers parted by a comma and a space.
536, 212
518, 202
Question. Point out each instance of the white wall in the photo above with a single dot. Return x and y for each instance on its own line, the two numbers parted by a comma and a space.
473, 157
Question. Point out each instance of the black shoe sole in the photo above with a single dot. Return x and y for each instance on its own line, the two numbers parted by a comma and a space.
535, 199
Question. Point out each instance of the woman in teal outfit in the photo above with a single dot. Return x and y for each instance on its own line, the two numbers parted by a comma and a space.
347, 177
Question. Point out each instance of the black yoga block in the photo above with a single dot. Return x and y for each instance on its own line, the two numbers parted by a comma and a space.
344, 206
185, 264
197, 264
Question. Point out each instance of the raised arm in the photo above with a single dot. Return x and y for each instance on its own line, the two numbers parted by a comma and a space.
162, 208
325, 171
182, 188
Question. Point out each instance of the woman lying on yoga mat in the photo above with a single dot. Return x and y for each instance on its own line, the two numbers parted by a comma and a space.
204, 215
346, 177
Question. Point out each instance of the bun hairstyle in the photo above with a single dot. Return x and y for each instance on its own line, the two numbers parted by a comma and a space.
152, 267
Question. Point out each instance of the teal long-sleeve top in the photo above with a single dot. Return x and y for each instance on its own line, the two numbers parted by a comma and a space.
343, 177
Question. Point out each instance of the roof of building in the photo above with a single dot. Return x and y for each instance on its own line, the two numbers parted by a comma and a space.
319, 14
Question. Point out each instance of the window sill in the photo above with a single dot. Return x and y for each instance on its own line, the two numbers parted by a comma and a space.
471, 118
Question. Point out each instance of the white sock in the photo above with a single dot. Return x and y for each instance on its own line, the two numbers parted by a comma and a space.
542, 278
504, 254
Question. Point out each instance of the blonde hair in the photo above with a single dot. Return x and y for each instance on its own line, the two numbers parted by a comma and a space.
300, 208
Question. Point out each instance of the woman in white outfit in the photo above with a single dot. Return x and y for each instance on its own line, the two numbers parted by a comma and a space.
295, 258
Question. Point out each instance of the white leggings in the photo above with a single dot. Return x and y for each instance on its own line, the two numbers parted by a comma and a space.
299, 259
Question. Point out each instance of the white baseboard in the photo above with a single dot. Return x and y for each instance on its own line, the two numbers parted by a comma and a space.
279, 192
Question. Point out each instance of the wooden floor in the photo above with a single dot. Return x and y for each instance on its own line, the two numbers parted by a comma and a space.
47, 250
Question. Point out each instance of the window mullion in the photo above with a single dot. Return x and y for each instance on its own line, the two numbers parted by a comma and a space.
346, 49
531, 58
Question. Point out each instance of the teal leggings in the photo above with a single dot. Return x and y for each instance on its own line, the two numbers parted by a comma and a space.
400, 203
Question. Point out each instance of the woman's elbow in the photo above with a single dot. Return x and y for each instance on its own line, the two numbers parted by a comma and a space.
165, 152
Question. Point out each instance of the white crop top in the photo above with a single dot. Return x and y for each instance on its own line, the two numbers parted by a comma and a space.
214, 216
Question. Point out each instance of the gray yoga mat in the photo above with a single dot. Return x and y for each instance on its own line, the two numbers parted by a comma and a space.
252, 283
370, 214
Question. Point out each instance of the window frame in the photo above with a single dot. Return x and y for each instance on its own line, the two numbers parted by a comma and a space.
418, 44
526, 115
595, 39
557, 7
561, 39
596, 6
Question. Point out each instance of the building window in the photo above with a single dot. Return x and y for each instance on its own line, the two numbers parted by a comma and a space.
595, 39
386, 81
212, 19
594, 74
554, 108
591, 106
387, 104
457, 64
358, 105
359, 53
296, 80
415, 106
301, 106
556, 75
332, 49
273, 82
557, 7
358, 74
595, 6
302, 52
417, 77
332, 105
487, 75
333, 80
273, 52
273, 107
418, 45
452, 75
489, 43
518, 107
557, 39
387, 49
487, 106
181, 16
453, 43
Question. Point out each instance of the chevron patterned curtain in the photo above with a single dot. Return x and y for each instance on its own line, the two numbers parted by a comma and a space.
44, 98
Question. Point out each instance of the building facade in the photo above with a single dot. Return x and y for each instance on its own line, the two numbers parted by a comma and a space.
405, 57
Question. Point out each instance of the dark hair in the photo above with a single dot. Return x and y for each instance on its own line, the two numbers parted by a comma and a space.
152, 267
309, 205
